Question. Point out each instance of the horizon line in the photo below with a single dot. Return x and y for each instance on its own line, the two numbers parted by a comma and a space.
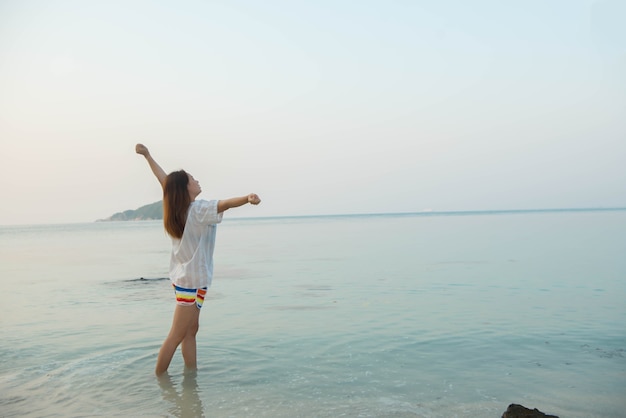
430, 212
423, 212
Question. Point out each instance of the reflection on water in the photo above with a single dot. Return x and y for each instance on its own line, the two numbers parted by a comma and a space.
185, 402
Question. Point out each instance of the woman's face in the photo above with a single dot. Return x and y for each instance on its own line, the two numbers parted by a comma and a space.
193, 187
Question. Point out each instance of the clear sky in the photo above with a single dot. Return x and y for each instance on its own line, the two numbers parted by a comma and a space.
320, 107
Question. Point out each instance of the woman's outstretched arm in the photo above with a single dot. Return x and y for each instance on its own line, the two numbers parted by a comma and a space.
154, 166
235, 202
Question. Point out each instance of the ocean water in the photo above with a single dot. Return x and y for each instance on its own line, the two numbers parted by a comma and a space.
424, 315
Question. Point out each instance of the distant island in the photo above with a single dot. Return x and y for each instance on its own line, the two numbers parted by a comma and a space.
153, 211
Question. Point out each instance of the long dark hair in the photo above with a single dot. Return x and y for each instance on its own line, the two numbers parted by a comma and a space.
176, 201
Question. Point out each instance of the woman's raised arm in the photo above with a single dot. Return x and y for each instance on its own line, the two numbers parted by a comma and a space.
154, 166
235, 202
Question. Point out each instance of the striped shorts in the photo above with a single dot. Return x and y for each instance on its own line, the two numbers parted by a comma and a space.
189, 296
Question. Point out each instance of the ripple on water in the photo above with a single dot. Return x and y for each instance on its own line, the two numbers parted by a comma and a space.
106, 381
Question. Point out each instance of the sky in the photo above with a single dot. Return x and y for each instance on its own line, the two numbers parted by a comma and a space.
320, 107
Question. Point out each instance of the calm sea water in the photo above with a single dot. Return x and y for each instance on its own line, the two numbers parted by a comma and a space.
366, 316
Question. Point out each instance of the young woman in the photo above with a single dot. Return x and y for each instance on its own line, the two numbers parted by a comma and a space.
192, 226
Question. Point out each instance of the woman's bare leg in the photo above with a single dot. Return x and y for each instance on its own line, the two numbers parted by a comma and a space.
188, 346
185, 319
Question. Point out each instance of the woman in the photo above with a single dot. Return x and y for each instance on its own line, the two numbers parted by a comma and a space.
192, 226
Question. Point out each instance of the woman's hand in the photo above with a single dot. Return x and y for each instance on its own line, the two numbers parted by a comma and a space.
142, 149
253, 199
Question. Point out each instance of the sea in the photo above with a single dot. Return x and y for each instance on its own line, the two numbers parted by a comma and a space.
431, 314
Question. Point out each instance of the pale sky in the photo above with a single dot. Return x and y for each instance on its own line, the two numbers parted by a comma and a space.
320, 107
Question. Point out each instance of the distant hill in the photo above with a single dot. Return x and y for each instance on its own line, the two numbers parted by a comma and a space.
152, 211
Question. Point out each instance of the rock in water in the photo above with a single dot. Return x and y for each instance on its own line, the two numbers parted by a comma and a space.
519, 411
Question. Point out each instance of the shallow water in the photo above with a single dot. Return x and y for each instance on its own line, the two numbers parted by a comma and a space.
424, 315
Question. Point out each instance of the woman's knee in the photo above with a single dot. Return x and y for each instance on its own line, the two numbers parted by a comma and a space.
193, 329
177, 335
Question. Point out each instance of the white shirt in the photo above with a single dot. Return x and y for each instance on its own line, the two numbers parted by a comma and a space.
191, 263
